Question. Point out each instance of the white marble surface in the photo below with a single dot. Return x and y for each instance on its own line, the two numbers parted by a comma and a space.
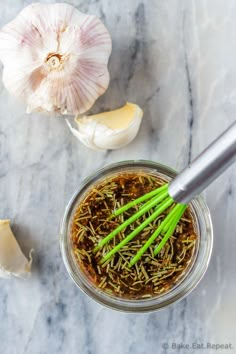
177, 60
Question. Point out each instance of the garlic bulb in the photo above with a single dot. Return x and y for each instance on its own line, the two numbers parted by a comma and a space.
55, 58
109, 130
12, 260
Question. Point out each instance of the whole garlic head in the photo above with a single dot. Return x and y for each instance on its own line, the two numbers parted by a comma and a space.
12, 260
55, 58
109, 130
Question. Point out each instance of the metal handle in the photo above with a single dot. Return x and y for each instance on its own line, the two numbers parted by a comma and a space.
213, 161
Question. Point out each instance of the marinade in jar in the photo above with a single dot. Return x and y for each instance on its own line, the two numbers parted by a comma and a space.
152, 275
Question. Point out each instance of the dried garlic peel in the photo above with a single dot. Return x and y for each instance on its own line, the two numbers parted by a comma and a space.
109, 130
55, 58
12, 260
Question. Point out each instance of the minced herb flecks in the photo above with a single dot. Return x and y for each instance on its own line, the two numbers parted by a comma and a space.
150, 276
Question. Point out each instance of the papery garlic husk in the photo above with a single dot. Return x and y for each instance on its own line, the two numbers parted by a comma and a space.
109, 130
55, 58
13, 262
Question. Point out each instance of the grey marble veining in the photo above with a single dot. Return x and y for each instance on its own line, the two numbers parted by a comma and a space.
176, 59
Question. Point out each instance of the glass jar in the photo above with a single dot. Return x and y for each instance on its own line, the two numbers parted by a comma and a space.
183, 287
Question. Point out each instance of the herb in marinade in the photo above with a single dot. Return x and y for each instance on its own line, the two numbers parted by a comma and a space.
151, 276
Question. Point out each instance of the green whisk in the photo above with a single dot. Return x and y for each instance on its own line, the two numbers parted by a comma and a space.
181, 190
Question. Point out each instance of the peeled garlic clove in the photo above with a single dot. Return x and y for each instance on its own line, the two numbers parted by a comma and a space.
12, 260
55, 58
109, 130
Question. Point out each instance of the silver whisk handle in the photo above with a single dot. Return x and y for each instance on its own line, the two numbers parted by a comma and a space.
205, 168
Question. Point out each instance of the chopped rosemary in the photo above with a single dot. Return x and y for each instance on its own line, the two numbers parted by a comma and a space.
94, 219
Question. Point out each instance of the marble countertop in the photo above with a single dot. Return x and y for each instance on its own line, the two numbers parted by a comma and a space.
177, 60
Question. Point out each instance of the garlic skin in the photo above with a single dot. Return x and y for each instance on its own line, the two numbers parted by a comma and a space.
55, 58
12, 260
109, 130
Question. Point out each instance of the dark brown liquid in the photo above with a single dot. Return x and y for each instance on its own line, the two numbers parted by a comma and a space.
152, 275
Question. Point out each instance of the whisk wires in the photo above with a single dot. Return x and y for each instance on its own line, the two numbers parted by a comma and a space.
158, 198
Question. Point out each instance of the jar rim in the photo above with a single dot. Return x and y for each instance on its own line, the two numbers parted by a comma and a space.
182, 288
